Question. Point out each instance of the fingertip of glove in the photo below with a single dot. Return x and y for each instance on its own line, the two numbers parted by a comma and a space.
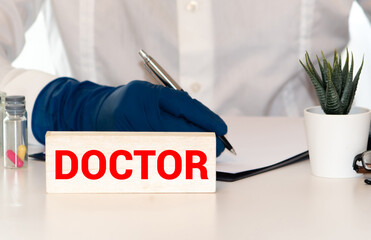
221, 127
219, 147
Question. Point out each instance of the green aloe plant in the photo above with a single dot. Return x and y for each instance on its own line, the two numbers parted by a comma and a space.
335, 86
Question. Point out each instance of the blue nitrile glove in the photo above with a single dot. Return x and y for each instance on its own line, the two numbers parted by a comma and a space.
68, 105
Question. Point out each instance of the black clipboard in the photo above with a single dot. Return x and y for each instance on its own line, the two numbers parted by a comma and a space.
231, 177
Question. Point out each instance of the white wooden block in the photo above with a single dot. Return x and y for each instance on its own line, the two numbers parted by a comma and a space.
84, 162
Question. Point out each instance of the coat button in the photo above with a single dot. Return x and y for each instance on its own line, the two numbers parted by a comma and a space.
192, 6
195, 87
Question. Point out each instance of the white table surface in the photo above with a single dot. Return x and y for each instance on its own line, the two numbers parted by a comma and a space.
287, 203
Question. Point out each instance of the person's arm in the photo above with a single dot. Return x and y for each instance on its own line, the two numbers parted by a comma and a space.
67, 104
15, 18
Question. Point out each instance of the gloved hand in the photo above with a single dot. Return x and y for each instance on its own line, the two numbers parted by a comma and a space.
68, 105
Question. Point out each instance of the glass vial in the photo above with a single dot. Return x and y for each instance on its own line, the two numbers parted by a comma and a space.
15, 136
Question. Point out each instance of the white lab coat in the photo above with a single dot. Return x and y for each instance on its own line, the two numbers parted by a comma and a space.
238, 57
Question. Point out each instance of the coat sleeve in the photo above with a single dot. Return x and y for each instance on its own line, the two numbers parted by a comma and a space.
16, 16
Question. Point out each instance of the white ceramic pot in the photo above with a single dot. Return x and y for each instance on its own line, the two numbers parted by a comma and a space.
334, 140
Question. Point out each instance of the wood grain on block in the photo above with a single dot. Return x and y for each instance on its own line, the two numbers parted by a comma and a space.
174, 162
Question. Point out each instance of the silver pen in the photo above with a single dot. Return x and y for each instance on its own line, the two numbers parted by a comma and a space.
161, 76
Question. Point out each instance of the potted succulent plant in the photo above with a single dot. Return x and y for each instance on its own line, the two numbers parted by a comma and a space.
336, 131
